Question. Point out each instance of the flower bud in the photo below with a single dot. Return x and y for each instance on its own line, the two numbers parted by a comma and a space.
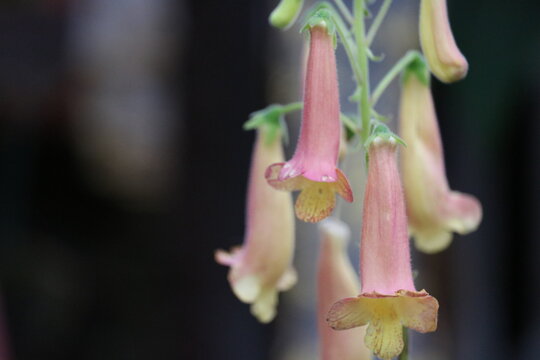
445, 60
285, 14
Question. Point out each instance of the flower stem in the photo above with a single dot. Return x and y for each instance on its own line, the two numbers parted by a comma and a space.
390, 75
293, 107
405, 353
345, 11
378, 21
364, 106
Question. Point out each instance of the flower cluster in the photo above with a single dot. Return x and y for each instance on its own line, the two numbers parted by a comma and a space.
386, 300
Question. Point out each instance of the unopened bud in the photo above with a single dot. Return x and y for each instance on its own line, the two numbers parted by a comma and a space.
285, 14
445, 60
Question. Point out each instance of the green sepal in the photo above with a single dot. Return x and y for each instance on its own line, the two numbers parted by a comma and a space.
272, 120
380, 130
417, 67
320, 15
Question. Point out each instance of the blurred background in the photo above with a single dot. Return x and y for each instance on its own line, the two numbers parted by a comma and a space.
123, 166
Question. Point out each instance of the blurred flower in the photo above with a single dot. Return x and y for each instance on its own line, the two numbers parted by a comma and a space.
434, 210
444, 58
313, 168
285, 14
389, 299
336, 280
262, 266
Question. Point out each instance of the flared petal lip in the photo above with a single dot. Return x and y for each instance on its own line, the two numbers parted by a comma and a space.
274, 177
335, 320
317, 198
398, 293
315, 173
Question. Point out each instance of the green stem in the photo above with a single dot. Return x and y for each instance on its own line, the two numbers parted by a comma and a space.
378, 21
345, 11
390, 75
364, 106
405, 353
295, 106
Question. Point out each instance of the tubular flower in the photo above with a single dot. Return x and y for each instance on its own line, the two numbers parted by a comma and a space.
262, 266
336, 279
444, 58
313, 168
434, 210
389, 299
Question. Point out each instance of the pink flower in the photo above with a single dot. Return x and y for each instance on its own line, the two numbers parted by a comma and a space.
444, 58
337, 279
262, 266
389, 299
434, 210
313, 168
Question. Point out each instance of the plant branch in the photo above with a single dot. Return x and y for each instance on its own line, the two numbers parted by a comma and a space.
345, 11
378, 21
292, 107
391, 75
364, 106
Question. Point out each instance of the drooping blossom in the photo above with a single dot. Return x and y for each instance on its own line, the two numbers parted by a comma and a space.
262, 266
389, 299
434, 211
313, 168
336, 280
285, 14
445, 60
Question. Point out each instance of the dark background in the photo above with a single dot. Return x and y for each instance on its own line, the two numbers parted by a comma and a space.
93, 271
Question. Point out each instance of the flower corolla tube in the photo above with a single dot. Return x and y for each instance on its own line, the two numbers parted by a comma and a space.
263, 265
313, 168
389, 300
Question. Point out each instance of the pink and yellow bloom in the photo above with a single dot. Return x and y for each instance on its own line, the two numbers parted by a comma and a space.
336, 280
445, 60
389, 299
313, 168
433, 209
263, 265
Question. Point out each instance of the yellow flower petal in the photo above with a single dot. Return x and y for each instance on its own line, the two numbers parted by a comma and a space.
386, 314
316, 201
264, 307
